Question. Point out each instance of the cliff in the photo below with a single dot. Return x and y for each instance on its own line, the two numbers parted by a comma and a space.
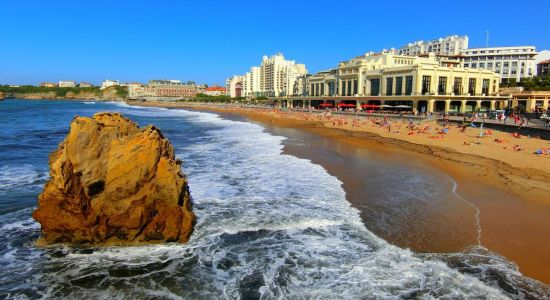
111, 94
114, 183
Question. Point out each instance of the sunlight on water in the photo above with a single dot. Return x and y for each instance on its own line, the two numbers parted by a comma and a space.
269, 226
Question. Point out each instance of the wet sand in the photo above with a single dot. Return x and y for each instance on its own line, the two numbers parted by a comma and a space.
513, 210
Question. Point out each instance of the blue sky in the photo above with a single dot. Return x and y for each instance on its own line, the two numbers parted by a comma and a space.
207, 41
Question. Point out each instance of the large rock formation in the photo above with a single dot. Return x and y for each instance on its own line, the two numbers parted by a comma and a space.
114, 183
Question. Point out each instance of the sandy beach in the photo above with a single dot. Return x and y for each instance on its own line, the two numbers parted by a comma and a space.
498, 173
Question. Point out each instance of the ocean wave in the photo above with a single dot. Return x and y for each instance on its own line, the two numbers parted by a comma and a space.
21, 177
269, 226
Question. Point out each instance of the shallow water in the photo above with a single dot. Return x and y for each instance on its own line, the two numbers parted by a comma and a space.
270, 225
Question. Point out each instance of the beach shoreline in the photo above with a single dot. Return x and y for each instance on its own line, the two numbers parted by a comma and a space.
512, 211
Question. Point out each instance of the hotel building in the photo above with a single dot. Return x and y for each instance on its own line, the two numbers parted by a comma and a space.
48, 84
449, 45
423, 84
510, 62
251, 83
275, 77
174, 89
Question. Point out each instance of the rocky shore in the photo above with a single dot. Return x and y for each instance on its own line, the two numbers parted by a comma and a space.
113, 183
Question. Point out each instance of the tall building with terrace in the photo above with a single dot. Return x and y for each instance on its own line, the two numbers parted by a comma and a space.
449, 45
512, 63
275, 77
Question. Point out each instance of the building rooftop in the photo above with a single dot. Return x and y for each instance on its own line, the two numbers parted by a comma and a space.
215, 88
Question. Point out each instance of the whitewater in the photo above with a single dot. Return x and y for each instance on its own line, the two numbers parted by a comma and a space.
270, 226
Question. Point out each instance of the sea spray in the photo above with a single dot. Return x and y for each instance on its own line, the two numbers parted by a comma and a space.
269, 225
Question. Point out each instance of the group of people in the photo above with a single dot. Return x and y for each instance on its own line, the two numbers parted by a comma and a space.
394, 125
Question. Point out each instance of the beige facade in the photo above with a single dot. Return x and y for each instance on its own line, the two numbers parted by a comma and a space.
531, 101
234, 86
275, 77
67, 83
425, 84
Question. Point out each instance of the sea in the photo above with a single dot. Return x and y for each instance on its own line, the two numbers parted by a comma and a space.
269, 225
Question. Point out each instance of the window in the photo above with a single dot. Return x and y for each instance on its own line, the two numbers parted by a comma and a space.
474, 65
355, 87
482, 65
489, 65
389, 86
398, 85
343, 92
331, 88
472, 86
457, 87
374, 87
322, 89
349, 88
442, 86
426, 82
408, 85
312, 90
485, 87
466, 65
506, 65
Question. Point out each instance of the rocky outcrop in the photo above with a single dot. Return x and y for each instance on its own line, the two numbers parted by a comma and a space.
114, 183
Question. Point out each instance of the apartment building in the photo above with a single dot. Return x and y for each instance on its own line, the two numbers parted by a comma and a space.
67, 83
449, 45
275, 77
511, 63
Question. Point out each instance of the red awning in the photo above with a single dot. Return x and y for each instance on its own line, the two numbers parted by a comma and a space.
370, 106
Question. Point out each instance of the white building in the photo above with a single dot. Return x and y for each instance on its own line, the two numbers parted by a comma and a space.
275, 77
509, 62
251, 83
449, 45
67, 83
109, 83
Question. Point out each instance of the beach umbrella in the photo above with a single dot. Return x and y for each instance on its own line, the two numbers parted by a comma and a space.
370, 106
403, 106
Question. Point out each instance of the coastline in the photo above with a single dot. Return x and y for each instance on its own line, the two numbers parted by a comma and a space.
513, 208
